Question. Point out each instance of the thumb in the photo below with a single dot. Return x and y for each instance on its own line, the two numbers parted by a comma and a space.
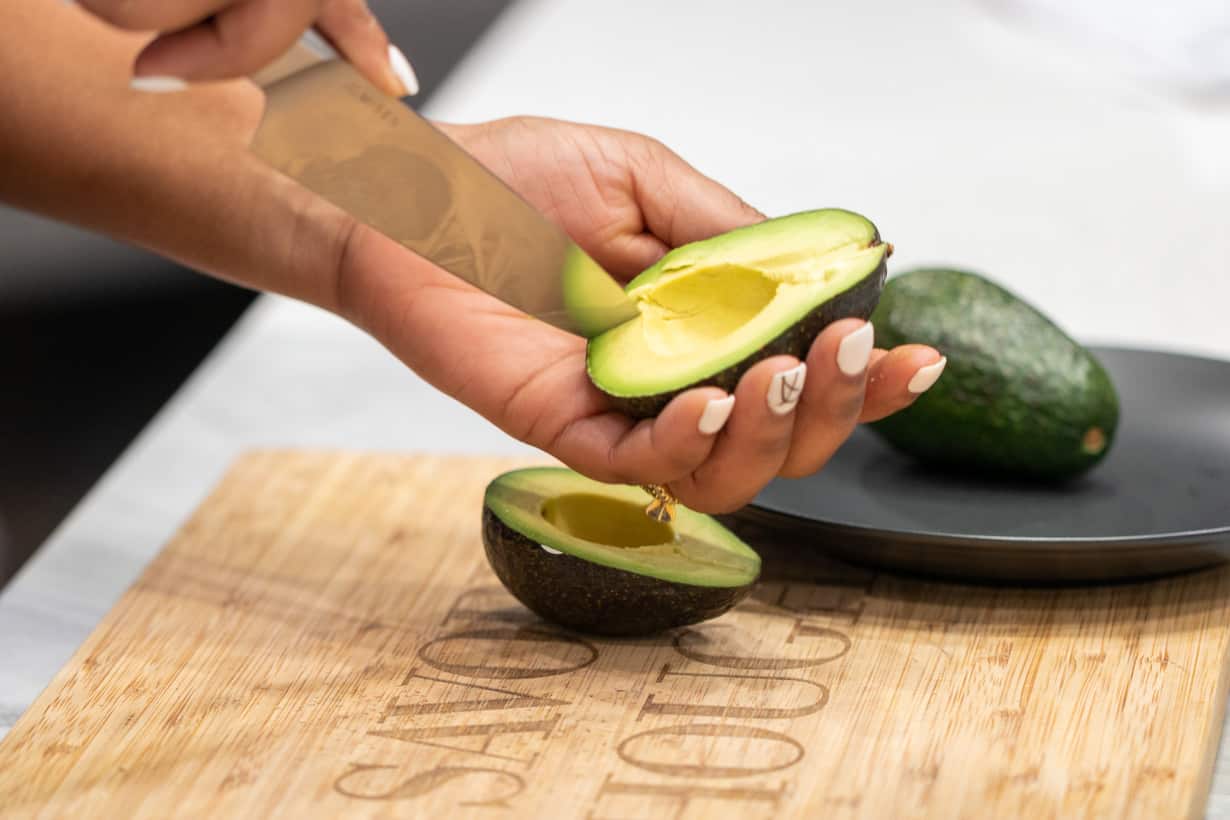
682, 205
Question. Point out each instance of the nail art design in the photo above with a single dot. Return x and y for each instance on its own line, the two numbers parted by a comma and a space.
854, 352
157, 85
786, 389
927, 376
717, 412
405, 74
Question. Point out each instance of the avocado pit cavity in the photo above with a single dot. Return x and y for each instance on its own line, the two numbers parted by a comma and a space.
699, 307
604, 520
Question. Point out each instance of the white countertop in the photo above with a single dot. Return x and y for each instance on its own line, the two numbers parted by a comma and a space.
967, 143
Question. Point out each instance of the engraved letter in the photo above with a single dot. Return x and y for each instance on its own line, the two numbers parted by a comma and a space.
541, 654
417, 705
831, 643
636, 795
482, 732
356, 783
816, 697
764, 761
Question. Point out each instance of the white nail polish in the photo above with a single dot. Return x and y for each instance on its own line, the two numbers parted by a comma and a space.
716, 414
401, 67
157, 85
550, 551
786, 389
854, 352
927, 376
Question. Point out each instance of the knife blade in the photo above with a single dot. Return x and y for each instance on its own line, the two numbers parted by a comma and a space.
330, 129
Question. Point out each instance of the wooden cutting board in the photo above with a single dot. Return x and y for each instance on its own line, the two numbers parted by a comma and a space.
323, 638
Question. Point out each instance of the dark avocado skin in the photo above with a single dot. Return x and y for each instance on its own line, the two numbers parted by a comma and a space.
1017, 396
592, 598
856, 302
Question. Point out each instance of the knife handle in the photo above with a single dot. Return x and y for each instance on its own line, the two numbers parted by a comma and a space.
309, 50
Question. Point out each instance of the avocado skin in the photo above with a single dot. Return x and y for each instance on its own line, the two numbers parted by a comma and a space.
856, 302
593, 598
1017, 395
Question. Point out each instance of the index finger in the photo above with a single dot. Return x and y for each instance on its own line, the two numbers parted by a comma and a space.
237, 41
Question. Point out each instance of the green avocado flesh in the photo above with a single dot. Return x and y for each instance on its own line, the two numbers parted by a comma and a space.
584, 554
709, 310
1018, 397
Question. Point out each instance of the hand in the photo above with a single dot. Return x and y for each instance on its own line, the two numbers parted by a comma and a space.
175, 176
226, 39
626, 199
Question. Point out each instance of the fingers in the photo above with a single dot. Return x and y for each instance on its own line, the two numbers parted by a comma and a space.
785, 418
238, 40
223, 39
153, 15
357, 34
653, 451
898, 377
837, 368
626, 255
755, 442
682, 205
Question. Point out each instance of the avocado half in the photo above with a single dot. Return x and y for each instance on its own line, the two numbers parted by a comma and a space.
708, 311
584, 555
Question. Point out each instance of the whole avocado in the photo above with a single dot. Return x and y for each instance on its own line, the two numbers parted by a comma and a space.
1018, 398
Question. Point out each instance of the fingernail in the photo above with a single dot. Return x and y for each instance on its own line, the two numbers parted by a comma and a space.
786, 389
927, 376
157, 85
854, 352
717, 411
401, 68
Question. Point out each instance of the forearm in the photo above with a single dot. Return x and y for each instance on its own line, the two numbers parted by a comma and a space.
170, 173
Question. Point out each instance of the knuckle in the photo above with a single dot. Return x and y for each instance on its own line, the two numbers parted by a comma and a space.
801, 468
682, 462
241, 48
599, 471
810, 454
846, 405
772, 441
706, 498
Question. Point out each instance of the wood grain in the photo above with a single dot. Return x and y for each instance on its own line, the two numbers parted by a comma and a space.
323, 639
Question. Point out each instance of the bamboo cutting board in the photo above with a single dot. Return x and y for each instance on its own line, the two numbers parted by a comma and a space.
323, 639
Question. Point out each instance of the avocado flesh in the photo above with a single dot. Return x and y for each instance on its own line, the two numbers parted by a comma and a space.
584, 554
1019, 397
606, 525
710, 310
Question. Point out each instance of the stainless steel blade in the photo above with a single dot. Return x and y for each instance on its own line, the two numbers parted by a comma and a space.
331, 130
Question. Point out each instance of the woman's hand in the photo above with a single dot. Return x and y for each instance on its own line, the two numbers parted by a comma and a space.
224, 39
626, 199
174, 175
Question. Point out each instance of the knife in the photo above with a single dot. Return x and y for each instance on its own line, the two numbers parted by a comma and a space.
371, 155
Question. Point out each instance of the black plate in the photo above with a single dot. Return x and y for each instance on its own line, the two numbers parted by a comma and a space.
1157, 504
